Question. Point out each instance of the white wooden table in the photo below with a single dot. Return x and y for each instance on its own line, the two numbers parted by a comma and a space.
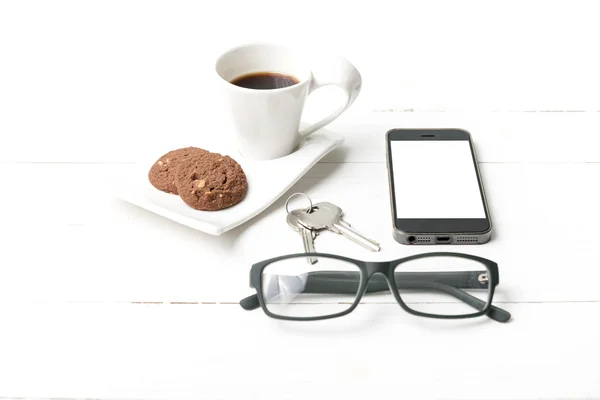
100, 299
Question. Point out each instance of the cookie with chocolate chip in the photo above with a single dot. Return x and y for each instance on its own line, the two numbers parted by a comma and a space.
162, 173
210, 182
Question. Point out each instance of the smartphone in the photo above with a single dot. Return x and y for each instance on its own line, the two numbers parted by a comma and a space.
436, 191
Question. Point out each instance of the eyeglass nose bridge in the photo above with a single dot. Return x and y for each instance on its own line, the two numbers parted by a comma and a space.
374, 267
377, 277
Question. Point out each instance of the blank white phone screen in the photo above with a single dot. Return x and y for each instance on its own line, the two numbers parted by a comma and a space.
435, 179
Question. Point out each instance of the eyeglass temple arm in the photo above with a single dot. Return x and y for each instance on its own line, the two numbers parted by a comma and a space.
448, 282
250, 303
349, 280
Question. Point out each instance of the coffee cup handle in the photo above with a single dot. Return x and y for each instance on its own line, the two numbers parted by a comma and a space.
339, 72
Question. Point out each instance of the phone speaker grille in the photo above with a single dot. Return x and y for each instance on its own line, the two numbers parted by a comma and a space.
423, 240
467, 239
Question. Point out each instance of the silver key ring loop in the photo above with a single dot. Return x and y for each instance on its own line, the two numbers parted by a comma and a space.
309, 209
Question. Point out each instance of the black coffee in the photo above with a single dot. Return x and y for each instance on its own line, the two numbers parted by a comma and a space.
265, 80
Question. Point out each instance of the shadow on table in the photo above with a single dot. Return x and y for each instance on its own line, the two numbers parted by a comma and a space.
377, 316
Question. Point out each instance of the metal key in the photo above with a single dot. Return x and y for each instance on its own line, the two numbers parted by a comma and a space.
329, 216
308, 235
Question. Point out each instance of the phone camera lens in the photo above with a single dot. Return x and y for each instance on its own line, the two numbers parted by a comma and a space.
411, 239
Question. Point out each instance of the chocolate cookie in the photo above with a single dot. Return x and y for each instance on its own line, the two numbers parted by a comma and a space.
210, 182
162, 173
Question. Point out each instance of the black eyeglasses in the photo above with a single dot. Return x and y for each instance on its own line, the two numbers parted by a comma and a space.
307, 287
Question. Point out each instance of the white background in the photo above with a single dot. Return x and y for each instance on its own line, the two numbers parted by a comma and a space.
102, 300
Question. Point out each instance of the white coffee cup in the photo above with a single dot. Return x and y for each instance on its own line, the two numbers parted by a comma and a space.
267, 121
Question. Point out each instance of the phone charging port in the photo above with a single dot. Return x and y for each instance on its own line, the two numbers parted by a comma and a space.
443, 239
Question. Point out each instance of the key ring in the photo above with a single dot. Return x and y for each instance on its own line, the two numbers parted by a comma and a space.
309, 209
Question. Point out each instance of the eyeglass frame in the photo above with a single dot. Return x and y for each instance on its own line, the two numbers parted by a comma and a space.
387, 268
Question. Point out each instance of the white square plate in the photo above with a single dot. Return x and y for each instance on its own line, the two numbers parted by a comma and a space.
267, 181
